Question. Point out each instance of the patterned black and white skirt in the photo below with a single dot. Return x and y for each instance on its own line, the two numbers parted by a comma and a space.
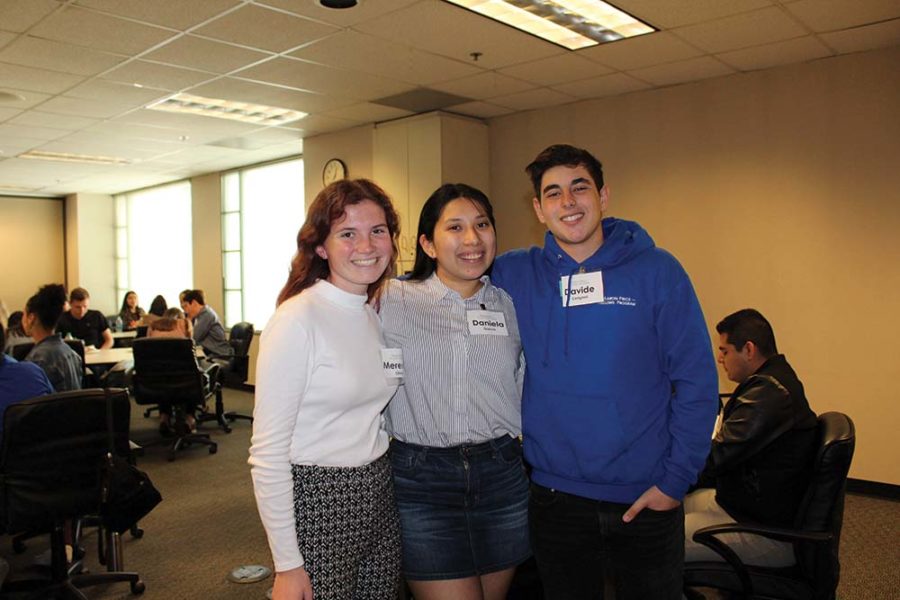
348, 531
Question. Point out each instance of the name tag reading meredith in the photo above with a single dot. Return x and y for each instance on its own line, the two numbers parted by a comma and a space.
486, 322
392, 362
581, 288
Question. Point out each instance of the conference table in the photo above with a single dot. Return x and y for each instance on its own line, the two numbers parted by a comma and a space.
114, 356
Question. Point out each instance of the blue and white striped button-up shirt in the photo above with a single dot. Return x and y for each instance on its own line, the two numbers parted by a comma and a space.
458, 388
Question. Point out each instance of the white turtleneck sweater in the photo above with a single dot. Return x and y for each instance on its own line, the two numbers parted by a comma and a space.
320, 393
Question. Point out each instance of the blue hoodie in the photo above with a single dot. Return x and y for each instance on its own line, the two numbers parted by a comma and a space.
621, 395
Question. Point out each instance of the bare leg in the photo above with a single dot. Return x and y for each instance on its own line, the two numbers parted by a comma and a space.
466, 588
495, 585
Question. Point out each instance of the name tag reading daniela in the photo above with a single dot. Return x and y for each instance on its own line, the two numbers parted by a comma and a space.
486, 322
581, 288
392, 362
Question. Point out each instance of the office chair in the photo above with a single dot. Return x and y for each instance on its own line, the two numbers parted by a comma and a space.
50, 464
20, 351
235, 372
816, 534
166, 372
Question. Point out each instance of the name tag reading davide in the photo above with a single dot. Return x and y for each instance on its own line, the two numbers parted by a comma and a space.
486, 322
581, 289
392, 362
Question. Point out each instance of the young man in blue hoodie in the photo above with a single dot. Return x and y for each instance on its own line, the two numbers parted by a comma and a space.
620, 393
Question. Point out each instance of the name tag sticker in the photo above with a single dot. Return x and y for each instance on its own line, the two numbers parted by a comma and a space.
392, 362
581, 288
486, 322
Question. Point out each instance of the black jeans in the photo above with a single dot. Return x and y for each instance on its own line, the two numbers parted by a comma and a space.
580, 543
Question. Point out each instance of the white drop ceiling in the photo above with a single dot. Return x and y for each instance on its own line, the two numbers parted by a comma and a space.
84, 71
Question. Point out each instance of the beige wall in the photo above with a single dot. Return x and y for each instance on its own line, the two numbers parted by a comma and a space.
353, 146
90, 248
32, 248
206, 223
776, 190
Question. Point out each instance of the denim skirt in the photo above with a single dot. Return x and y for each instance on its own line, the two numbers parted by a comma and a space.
463, 510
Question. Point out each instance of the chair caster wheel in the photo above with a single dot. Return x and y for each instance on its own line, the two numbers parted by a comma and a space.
138, 587
213, 449
136, 532
18, 546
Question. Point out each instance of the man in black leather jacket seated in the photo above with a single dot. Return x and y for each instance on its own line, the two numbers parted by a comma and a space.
762, 449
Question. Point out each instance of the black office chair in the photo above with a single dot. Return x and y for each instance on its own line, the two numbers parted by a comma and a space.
50, 464
240, 338
816, 534
166, 372
236, 371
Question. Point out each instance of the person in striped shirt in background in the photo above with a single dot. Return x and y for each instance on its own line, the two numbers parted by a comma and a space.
459, 479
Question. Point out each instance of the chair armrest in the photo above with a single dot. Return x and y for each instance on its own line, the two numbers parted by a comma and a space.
780, 534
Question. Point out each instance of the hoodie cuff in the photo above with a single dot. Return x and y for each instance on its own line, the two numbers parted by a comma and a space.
673, 486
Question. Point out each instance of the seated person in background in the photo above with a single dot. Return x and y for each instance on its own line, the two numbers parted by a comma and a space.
208, 330
15, 334
172, 327
61, 364
131, 314
87, 325
19, 381
762, 451
182, 322
157, 309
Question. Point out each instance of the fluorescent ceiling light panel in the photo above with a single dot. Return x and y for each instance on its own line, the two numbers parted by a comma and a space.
245, 112
572, 24
76, 158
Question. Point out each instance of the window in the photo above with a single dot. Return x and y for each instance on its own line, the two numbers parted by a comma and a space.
154, 243
262, 211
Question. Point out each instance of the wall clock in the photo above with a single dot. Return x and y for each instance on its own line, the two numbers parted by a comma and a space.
334, 170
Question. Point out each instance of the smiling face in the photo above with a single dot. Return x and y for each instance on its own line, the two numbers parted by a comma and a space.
572, 208
358, 247
131, 300
464, 245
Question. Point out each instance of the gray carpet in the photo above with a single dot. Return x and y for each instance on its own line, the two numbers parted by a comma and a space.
207, 524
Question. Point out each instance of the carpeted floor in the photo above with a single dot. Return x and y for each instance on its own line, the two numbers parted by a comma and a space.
207, 525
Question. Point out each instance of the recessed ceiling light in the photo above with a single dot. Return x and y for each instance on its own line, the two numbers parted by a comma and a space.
572, 24
245, 112
10, 97
78, 158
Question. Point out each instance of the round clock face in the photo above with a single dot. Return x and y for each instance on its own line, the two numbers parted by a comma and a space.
334, 170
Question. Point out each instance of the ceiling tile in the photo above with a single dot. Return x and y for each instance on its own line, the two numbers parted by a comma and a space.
229, 88
45, 119
143, 132
82, 107
6, 37
206, 55
26, 98
98, 148
362, 12
642, 51
95, 30
386, 58
482, 110
780, 53
19, 15
30, 131
557, 69
154, 75
866, 37
368, 113
56, 56
692, 69
258, 139
607, 85
325, 80
538, 98
741, 31
28, 78
8, 113
177, 14
451, 31
198, 129
678, 13
314, 124
14, 146
111, 91
832, 15
267, 29
484, 85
